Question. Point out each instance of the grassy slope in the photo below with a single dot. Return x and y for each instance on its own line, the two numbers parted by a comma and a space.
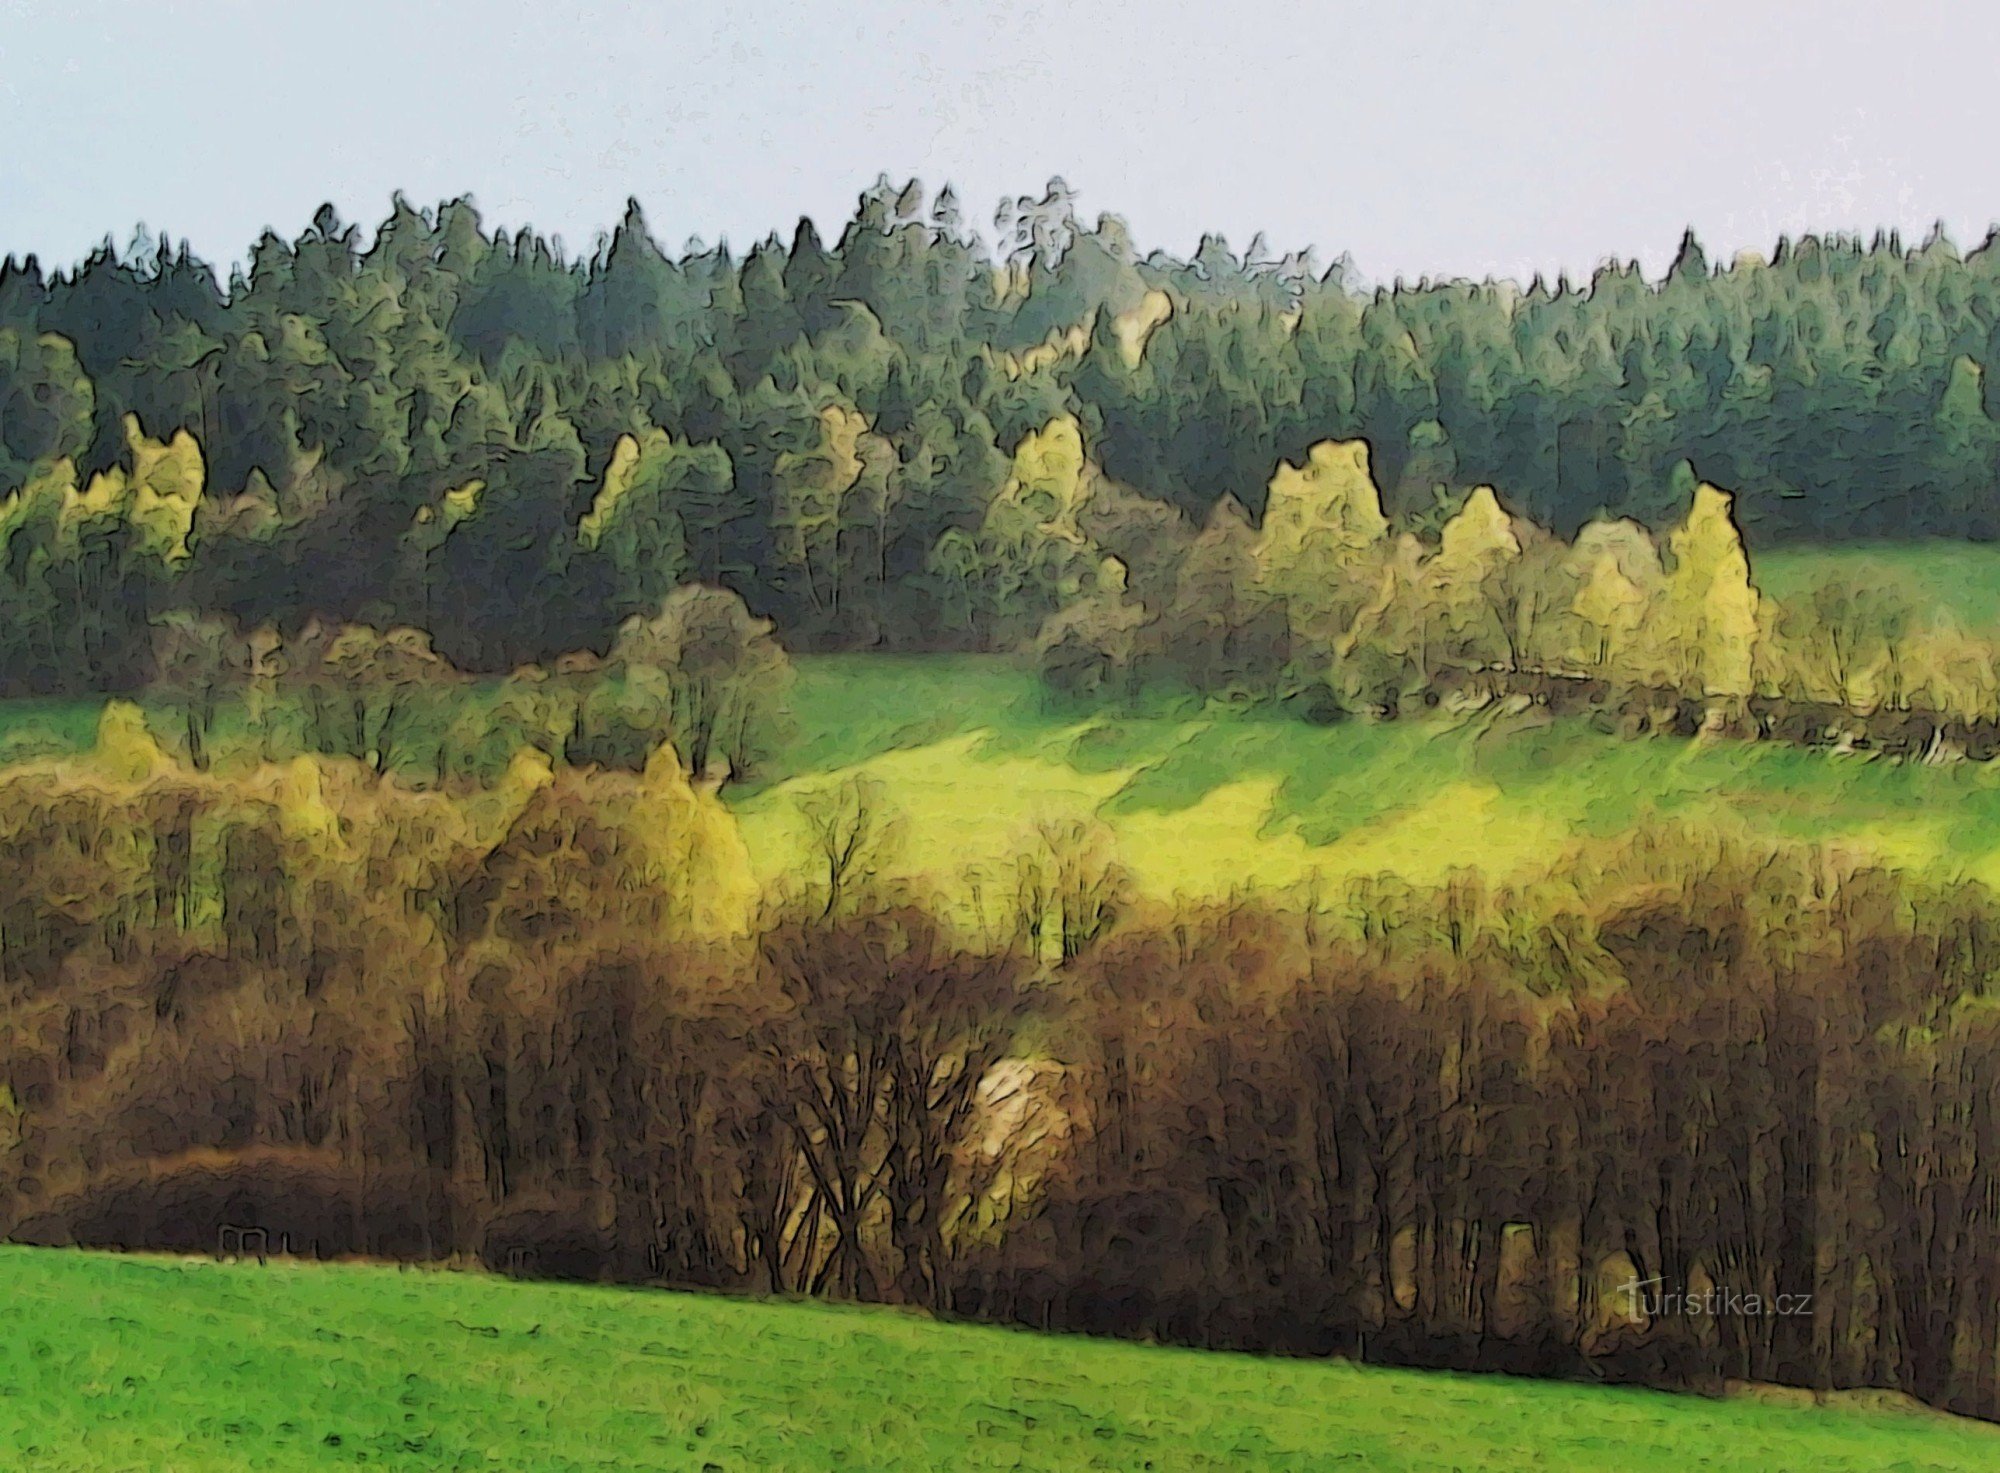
971, 754
1963, 577
152, 1363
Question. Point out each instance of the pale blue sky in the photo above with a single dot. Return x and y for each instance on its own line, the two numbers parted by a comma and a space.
1456, 139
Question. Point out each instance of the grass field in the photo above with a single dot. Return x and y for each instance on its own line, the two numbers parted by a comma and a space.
159, 1364
1963, 577
971, 754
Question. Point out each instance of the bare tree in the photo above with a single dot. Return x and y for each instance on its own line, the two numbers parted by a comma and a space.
851, 837
958, 1019
198, 661
1072, 878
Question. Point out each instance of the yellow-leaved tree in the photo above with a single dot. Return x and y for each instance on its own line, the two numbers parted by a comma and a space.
1477, 538
1610, 607
1031, 556
1134, 329
694, 850
1467, 581
1618, 575
1047, 488
1951, 671
125, 748
621, 473
1709, 619
1323, 536
45, 497
304, 814
157, 495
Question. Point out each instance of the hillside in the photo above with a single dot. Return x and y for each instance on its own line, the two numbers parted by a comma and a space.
165, 1364
972, 753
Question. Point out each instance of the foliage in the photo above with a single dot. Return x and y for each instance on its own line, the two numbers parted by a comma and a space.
882, 441
1710, 607
1322, 528
547, 1023
721, 673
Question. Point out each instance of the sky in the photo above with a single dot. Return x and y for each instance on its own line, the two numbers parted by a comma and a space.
1424, 139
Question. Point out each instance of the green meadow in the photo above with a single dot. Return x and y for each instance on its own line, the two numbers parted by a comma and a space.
164, 1364
1960, 577
970, 754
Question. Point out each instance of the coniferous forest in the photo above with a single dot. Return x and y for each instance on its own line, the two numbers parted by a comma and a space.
824, 426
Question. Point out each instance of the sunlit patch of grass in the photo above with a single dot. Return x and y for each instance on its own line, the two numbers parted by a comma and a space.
972, 755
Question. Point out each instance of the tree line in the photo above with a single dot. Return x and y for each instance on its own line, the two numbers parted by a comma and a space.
700, 674
552, 1024
514, 449
1323, 604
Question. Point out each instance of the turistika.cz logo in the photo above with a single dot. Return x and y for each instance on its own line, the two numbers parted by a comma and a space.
1651, 1298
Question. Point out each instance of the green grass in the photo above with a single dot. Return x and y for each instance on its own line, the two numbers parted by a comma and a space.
148, 1363
43, 726
1962, 577
971, 754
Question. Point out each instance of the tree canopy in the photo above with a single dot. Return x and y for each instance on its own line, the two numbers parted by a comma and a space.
891, 439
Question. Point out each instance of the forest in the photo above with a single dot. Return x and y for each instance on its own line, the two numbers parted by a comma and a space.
552, 1025
515, 450
432, 611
